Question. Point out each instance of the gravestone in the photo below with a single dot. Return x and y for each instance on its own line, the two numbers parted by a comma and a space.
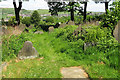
88, 44
62, 25
21, 27
30, 27
116, 32
4, 30
71, 23
80, 31
28, 51
51, 29
39, 32
97, 23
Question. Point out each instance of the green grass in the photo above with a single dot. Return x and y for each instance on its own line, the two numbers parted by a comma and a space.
58, 52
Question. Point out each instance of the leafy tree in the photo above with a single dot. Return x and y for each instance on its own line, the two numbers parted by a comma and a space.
55, 7
35, 18
17, 10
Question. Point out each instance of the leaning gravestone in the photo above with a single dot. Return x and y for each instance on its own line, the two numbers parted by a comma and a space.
62, 25
28, 51
116, 32
39, 32
88, 44
21, 27
51, 29
71, 23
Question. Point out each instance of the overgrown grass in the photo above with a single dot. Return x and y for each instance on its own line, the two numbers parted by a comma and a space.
60, 49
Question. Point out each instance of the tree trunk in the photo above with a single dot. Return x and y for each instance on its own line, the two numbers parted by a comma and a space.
72, 11
85, 10
17, 11
106, 6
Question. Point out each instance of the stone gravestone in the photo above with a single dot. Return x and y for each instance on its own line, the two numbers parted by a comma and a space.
62, 25
30, 27
51, 29
39, 32
21, 27
88, 44
116, 32
28, 51
71, 23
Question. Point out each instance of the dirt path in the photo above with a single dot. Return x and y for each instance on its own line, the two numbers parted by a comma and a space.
74, 72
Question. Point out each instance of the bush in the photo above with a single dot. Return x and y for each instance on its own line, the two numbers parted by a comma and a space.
12, 21
26, 21
49, 19
11, 46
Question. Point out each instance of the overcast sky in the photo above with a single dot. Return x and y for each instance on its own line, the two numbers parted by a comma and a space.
41, 4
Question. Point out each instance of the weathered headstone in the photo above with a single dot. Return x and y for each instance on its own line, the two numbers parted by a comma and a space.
28, 51
62, 25
30, 27
116, 32
80, 31
88, 44
71, 23
21, 27
39, 32
97, 23
51, 29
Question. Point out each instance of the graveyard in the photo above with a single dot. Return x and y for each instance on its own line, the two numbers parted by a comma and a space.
59, 47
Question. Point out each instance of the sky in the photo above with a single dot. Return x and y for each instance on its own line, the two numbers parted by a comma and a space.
41, 4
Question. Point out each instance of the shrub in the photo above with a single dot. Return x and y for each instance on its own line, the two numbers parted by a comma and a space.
26, 21
12, 21
49, 19
11, 46
35, 18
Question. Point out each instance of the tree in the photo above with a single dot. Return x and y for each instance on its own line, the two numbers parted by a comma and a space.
85, 11
55, 7
35, 18
17, 10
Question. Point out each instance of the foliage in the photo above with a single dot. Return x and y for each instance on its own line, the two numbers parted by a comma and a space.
112, 17
49, 19
61, 49
2, 21
26, 21
12, 21
35, 18
109, 21
11, 46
